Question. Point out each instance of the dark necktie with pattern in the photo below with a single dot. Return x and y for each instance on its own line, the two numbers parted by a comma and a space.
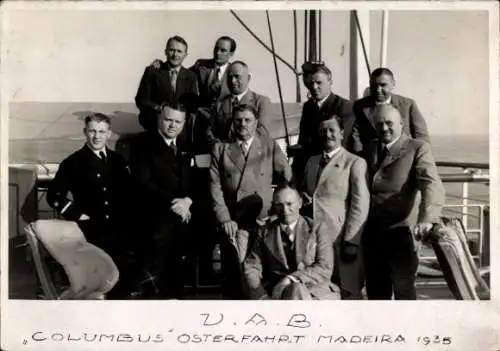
102, 155
173, 79
383, 151
322, 164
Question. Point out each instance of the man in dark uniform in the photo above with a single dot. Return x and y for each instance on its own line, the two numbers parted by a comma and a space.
322, 104
100, 185
160, 168
171, 84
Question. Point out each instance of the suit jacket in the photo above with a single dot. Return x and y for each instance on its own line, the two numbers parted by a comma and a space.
267, 264
204, 69
233, 179
309, 128
408, 167
155, 89
221, 119
159, 174
341, 199
101, 190
364, 131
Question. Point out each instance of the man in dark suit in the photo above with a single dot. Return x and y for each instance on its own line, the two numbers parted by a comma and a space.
171, 84
399, 167
160, 167
322, 104
212, 73
336, 182
382, 84
291, 259
241, 178
220, 123
101, 196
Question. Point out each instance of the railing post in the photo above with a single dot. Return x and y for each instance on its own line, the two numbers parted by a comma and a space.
465, 201
485, 245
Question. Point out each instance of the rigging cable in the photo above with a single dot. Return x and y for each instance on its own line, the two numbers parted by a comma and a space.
278, 80
362, 44
262, 43
295, 58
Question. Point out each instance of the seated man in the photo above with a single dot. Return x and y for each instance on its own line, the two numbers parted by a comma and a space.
291, 260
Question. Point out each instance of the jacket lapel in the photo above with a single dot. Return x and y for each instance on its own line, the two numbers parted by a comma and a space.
302, 236
312, 173
236, 155
275, 244
395, 151
332, 164
369, 111
248, 98
254, 156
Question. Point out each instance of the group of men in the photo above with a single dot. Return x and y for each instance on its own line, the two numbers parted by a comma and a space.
337, 219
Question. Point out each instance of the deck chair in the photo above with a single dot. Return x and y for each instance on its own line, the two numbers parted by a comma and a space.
91, 271
459, 269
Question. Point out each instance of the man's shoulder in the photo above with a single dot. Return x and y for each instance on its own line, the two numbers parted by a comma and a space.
203, 63
188, 73
402, 98
258, 97
364, 101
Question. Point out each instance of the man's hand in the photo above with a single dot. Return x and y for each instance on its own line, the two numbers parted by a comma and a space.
280, 288
83, 217
421, 230
156, 64
230, 229
348, 252
180, 207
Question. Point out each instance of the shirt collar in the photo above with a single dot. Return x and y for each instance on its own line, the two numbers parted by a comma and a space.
386, 102
247, 142
168, 141
222, 69
240, 96
388, 146
333, 152
96, 152
177, 69
291, 225
322, 101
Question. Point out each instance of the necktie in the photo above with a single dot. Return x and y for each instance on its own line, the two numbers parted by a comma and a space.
382, 154
102, 155
289, 248
173, 147
322, 164
217, 73
173, 79
244, 148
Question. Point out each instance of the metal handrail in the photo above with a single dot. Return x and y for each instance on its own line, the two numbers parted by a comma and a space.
476, 165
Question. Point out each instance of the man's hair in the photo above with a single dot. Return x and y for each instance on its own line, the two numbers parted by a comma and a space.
286, 185
178, 39
245, 107
97, 117
335, 117
229, 39
380, 71
172, 106
320, 68
234, 63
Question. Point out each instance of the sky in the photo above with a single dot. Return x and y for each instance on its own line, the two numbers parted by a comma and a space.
440, 58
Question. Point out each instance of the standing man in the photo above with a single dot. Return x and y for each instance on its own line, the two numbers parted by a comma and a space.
238, 77
171, 84
100, 186
322, 104
381, 85
291, 260
241, 178
399, 167
336, 181
160, 168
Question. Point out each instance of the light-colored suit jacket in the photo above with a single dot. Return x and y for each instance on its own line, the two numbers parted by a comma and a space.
232, 178
341, 199
222, 115
267, 265
408, 167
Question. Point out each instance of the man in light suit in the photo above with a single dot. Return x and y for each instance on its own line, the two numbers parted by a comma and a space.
382, 84
336, 181
399, 167
238, 77
241, 178
322, 104
171, 83
291, 258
